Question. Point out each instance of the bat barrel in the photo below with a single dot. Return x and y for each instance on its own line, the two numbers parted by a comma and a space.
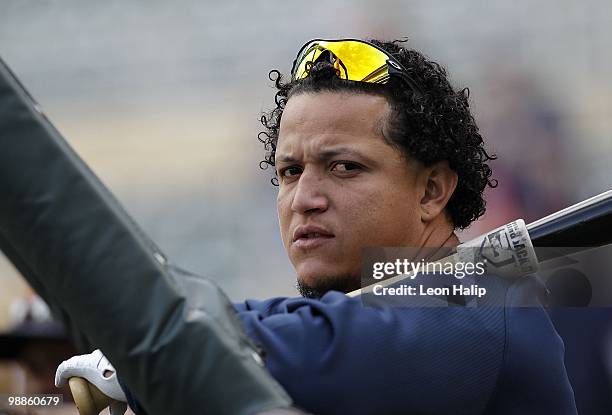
585, 224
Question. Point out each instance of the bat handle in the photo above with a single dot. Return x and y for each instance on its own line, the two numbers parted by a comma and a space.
88, 399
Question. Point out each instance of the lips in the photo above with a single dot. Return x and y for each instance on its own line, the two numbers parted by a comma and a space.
310, 236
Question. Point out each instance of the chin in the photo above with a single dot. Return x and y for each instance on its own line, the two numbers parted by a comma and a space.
315, 272
316, 285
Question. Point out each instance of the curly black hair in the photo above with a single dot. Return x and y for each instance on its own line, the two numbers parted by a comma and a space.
431, 125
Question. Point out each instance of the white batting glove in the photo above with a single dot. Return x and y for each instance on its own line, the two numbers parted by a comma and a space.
96, 369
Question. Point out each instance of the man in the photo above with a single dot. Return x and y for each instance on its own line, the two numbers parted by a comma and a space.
372, 146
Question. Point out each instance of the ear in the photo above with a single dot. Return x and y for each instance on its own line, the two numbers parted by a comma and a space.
439, 183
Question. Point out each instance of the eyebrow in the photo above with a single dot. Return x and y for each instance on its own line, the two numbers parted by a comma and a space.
326, 155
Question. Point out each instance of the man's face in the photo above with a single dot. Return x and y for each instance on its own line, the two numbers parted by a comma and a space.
342, 187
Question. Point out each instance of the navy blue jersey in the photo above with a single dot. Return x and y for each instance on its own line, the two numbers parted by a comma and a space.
337, 356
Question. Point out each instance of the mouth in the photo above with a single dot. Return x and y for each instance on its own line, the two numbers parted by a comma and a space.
308, 237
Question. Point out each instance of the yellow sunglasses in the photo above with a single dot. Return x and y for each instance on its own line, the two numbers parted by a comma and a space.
356, 60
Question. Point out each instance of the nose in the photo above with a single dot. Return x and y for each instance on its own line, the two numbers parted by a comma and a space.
309, 194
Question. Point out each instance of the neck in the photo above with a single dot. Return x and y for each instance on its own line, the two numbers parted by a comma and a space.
438, 233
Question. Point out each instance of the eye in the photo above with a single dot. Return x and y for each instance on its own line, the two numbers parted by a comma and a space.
345, 167
289, 172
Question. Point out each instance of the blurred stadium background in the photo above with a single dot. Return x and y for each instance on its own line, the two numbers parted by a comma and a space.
162, 99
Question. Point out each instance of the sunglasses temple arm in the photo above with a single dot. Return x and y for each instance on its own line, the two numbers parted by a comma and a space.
407, 79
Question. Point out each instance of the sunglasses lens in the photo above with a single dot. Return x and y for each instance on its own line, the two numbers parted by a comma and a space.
356, 61
309, 53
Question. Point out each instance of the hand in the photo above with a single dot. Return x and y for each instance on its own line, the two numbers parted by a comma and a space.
97, 370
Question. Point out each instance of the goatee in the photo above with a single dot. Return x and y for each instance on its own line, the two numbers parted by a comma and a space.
323, 285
